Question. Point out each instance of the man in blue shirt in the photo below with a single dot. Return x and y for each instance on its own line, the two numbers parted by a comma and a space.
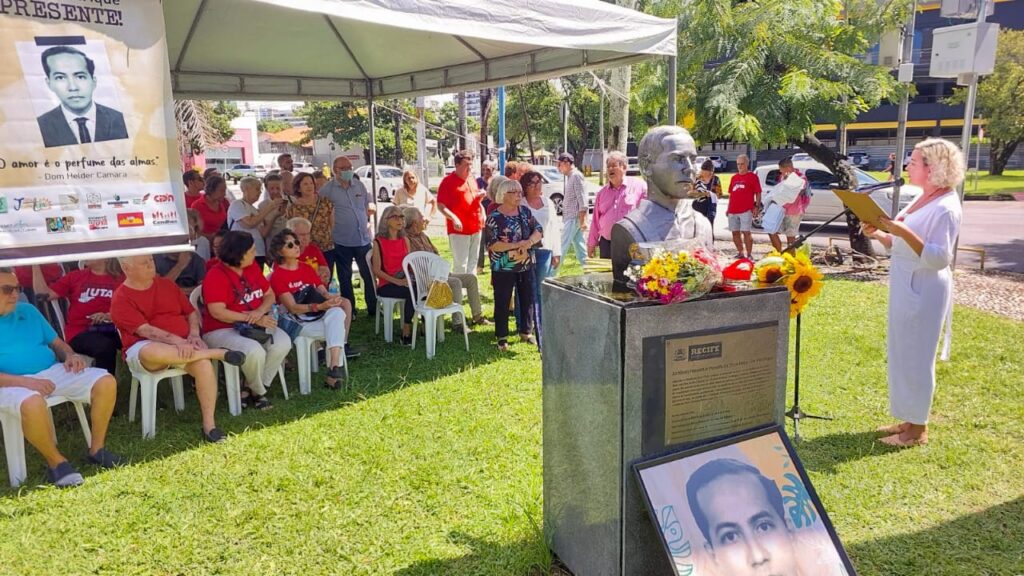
353, 209
34, 364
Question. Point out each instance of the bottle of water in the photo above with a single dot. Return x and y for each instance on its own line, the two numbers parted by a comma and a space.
273, 312
333, 288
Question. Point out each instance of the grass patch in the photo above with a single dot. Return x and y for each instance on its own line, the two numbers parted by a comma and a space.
425, 468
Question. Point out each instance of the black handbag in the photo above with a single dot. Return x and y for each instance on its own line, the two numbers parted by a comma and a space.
253, 332
310, 295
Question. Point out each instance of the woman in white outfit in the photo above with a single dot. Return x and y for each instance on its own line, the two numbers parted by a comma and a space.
922, 240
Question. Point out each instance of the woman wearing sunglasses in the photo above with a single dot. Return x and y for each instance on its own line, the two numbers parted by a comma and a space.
390, 247
328, 320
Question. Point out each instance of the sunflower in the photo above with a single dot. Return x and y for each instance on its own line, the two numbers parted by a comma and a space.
770, 273
803, 284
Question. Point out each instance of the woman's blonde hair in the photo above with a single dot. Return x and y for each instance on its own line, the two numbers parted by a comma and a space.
504, 187
945, 161
405, 178
382, 226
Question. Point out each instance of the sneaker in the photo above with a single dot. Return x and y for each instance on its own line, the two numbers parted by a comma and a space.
104, 459
351, 352
234, 357
64, 475
215, 436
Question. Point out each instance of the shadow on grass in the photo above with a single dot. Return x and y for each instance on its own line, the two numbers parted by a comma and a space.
383, 368
488, 558
826, 453
986, 542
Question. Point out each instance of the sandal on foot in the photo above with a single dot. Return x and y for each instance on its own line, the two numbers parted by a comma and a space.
260, 402
104, 459
215, 436
335, 377
898, 441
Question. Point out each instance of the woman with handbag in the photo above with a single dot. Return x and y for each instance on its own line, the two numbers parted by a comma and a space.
512, 232
319, 211
301, 291
89, 329
236, 316
390, 247
415, 231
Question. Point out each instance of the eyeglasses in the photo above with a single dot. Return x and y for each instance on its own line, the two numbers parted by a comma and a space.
8, 290
290, 244
395, 216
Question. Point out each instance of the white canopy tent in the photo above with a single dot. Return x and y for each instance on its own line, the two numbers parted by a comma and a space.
371, 49
343, 50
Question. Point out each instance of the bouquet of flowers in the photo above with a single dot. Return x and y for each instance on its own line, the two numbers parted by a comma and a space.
798, 273
674, 272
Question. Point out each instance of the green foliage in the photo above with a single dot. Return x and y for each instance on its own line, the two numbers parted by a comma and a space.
347, 124
272, 125
778, 67
220, 115
542, 105
443, 126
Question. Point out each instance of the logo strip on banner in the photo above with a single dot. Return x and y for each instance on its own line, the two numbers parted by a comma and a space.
84, 168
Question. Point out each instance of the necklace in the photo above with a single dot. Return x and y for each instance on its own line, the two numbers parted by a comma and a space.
925, 199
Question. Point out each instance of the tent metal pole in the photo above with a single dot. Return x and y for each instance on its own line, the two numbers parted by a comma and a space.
501, 130
672, 64
373, 160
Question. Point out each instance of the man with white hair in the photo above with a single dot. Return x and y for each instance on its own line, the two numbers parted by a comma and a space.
311, 253
34, 364
160, 329
621, 195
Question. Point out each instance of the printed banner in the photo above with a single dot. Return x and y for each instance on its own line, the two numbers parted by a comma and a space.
87, 132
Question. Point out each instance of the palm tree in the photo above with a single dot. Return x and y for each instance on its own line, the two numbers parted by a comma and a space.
196, 131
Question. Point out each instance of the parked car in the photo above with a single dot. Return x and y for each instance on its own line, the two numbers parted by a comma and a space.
389, 179
632, 166
860, 160
802, 157
698, 162
719, 162
303, 167
260, 171
239, 171
554, 187
824, 203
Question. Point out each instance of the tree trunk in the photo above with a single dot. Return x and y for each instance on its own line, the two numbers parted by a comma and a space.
619, 80
999, 154
462, 121
846, 179
526, 125
485, 118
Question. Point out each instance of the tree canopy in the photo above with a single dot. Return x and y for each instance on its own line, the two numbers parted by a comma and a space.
272, 125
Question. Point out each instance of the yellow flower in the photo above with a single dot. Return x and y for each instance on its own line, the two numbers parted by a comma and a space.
804, 284
770, 274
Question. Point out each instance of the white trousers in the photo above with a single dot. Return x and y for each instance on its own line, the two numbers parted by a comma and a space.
465, 249
331, 327
262, 361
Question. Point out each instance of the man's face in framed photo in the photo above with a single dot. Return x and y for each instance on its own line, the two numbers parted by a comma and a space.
745, 531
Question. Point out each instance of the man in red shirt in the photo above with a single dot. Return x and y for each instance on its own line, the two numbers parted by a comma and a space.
160, 329
458, 199
744, 198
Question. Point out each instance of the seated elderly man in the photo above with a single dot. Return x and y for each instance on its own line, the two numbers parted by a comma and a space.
311, 253
35, 363
160, 328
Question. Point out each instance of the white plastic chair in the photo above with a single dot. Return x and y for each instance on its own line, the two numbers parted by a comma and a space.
306, 351
58, 314
148, 382
385, 308
417, 265
232, 374
14, 437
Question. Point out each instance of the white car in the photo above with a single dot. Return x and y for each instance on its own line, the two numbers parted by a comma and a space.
718, 162
389, 179
824, 203
303, 167
554, 187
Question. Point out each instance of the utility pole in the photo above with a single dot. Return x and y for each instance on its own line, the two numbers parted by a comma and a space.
901, 128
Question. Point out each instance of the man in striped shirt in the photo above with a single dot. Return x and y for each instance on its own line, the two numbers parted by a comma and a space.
574, 208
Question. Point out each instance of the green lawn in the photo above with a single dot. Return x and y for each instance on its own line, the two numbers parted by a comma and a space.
425, 468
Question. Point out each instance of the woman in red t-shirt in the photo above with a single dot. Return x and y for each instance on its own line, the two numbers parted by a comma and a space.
389, 249
237, 293
329, 320
212, 206
89, 329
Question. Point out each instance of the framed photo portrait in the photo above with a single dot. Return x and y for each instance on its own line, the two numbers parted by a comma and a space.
741, 506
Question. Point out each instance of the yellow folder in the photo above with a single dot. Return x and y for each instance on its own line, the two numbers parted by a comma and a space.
864, 206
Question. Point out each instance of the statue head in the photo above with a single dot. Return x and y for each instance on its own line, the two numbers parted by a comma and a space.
666, 155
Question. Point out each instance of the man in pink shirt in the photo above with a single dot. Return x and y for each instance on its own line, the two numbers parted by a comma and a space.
615, 200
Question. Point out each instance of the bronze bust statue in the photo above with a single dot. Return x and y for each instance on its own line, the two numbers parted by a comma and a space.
666, 155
